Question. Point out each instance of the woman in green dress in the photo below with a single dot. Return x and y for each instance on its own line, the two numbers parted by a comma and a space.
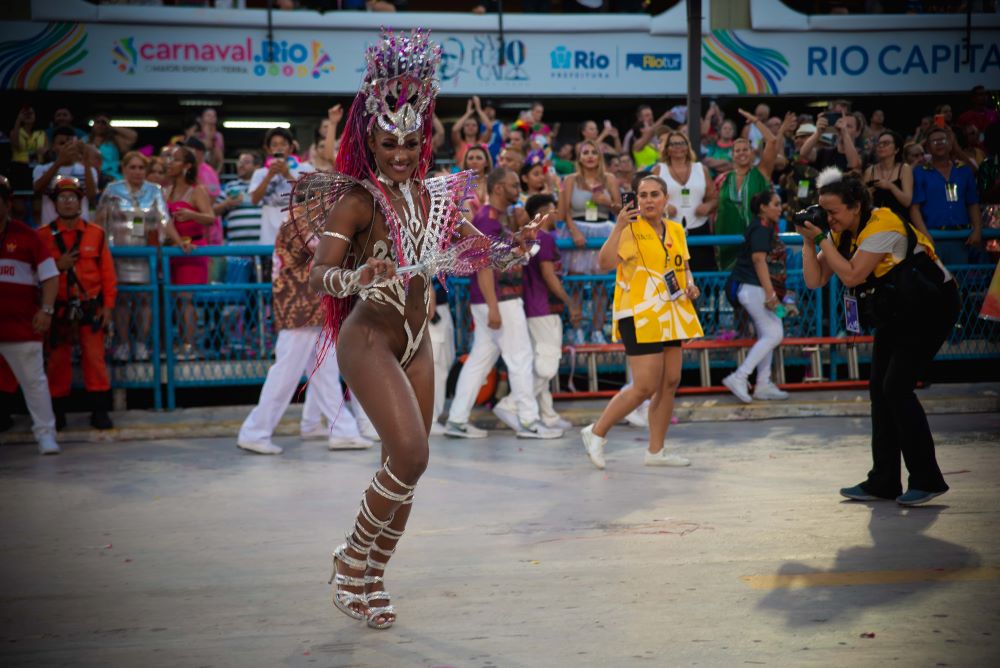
743, 182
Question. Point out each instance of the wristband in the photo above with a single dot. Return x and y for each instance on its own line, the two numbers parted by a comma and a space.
819, 238
48, 310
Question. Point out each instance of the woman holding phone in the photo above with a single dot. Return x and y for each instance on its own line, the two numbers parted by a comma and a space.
650, 257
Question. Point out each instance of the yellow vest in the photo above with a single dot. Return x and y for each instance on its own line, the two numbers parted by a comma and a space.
640, 289
884, 220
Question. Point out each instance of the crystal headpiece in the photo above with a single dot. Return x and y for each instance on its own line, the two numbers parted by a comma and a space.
399, 81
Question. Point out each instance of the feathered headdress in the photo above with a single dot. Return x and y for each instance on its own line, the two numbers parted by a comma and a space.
828, 176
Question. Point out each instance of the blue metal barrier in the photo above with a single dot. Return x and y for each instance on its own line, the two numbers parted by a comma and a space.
228, 326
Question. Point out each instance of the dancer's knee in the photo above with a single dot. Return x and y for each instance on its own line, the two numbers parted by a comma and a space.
644, 388
410, 464
671, 381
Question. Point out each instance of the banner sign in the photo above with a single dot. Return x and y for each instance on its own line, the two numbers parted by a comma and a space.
144, 58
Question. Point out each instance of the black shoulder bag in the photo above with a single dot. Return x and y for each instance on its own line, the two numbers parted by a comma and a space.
910, 288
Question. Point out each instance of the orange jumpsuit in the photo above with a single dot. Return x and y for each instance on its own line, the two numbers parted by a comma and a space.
96, 271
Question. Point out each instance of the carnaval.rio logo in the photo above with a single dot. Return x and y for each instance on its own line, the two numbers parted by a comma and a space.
278, 58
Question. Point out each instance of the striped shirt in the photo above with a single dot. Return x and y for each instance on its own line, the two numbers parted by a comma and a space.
242, 224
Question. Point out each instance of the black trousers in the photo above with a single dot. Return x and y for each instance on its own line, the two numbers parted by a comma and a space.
902, 355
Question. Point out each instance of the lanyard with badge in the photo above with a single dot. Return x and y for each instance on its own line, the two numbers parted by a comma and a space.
674, 289
852, 316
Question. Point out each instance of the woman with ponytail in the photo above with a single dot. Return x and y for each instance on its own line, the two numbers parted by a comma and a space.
190, 209
897, 285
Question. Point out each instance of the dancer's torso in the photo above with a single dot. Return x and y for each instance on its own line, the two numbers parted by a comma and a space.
390, 309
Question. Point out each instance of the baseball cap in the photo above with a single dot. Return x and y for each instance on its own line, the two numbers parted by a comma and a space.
805, 129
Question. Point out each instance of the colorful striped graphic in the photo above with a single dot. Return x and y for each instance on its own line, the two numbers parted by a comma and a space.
125, 55
752, 70
31, 64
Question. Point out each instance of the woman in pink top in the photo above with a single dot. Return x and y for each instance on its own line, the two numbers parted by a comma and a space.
191, 210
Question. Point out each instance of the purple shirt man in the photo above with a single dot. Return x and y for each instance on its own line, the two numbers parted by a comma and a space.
508, 284
538, 300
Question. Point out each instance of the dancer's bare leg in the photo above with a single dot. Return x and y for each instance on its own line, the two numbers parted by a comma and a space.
647, 373
661, 407
421, 374
390, 398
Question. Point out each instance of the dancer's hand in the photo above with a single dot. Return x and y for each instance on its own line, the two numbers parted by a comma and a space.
493, 318
376, 270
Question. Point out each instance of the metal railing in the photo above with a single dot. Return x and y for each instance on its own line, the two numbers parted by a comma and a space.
221, 334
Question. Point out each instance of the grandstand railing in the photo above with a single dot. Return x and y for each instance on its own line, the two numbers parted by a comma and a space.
233, 337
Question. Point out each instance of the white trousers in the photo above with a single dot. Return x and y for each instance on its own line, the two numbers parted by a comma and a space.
442, 335
513, 342
769, 334
295, 356
546, 341
27, 362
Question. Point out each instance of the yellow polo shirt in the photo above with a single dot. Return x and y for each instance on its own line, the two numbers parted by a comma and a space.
641, 291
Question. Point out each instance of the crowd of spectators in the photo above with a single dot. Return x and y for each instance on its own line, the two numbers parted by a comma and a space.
201, 189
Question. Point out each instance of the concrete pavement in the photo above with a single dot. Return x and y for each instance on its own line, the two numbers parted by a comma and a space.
187, 552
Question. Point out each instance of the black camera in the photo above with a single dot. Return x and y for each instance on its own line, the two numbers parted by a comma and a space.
814, 214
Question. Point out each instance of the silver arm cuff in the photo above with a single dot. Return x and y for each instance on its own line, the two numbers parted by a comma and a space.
340, 282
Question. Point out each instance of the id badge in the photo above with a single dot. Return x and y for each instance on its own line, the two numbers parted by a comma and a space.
951, 191
803, 191
138, 227
685, 198
852, 318
673, 285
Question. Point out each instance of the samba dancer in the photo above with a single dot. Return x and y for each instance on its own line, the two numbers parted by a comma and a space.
374, 212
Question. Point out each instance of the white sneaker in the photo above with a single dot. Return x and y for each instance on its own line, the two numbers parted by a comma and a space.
558, 423
317, 433
437, 429
141, 352
661, 458
367, 429
594, 445
121, 353
47, 445
739, 387
769, 392
466, 430
638, 418
537, 429
508, 417
348, 443
261, 448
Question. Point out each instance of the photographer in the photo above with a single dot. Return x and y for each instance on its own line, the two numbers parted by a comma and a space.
87, 290
899, 287
68, 157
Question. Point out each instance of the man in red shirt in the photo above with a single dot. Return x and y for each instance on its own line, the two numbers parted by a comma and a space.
24, 319
87, 291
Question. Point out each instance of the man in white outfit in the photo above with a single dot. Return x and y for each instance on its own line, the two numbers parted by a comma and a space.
441, 329
298, 318
501, 328
25, 317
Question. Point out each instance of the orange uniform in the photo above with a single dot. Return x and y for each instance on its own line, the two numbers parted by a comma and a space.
95, 271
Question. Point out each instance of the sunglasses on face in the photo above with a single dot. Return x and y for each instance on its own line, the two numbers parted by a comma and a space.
677, 144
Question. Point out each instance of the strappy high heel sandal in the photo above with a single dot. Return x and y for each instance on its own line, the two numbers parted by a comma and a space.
382, 610
342, 599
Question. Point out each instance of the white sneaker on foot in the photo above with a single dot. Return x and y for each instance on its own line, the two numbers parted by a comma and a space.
141, 352
506, 416
769, 392
121, 353
558, 423
465, 430
537, 430
594, 445
638, 418
739, 387
348, 443
661, 458
437, 429
317, 433
47, 445
367, 429
260, 447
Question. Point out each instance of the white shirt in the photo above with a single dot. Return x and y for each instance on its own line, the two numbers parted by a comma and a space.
48, 206
686, 205
275, 199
